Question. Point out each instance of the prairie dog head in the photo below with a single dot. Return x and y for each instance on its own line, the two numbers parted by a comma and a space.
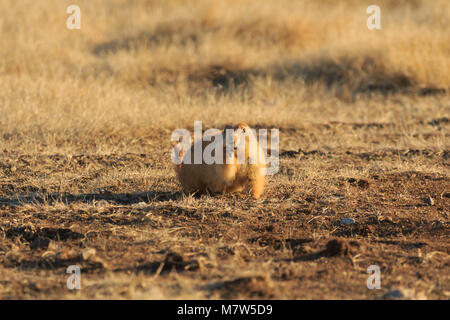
235, 135
242, 144
241, 132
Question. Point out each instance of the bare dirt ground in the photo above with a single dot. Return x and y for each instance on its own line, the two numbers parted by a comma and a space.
152, 242
85, 171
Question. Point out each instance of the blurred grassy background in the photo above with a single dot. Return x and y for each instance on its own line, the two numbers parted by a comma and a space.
139, 66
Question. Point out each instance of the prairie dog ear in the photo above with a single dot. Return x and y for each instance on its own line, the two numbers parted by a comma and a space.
242, 125
181, 140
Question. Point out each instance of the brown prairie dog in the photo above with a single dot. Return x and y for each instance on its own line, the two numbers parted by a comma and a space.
237, 162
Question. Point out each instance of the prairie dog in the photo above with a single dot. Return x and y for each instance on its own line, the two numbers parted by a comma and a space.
239, 162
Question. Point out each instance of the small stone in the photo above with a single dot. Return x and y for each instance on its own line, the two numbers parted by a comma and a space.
101, 203
88, 254
141, 204
394, 294
347, 221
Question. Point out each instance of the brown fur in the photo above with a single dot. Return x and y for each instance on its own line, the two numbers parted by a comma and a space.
222, 178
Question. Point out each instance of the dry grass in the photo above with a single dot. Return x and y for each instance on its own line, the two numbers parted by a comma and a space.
85, 151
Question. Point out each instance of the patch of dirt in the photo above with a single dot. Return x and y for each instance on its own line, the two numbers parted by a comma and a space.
313, 234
